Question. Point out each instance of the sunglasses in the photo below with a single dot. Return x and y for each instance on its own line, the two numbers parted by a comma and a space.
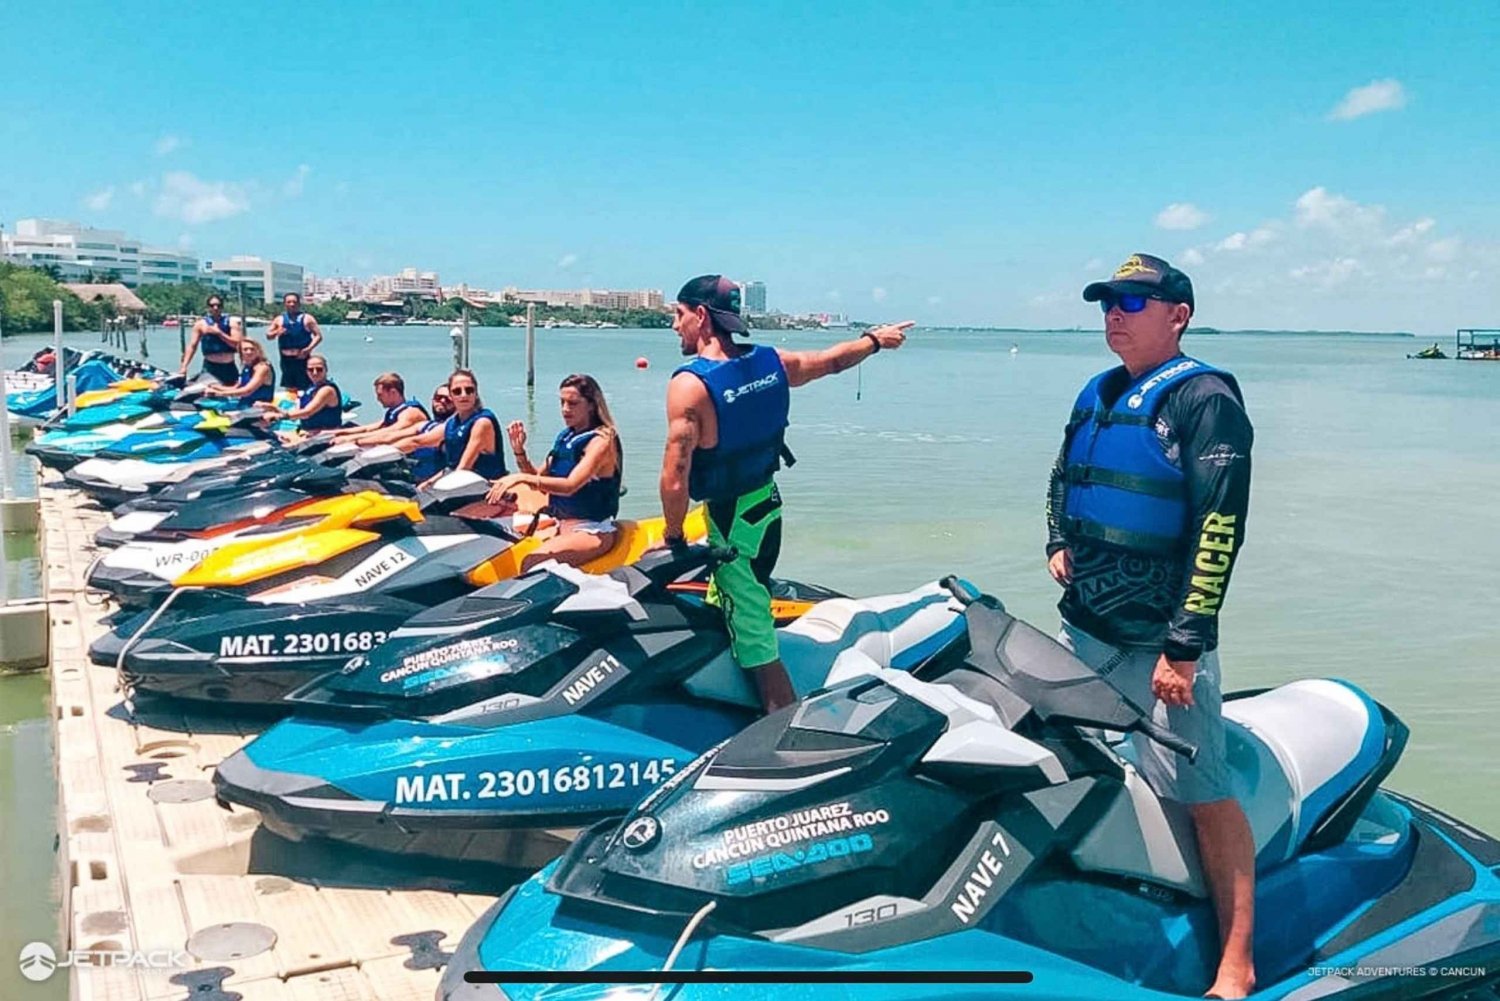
464, 391
216, 305
1128, 302
316, 368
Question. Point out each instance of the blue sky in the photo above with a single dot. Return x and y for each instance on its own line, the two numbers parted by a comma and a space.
1327, 166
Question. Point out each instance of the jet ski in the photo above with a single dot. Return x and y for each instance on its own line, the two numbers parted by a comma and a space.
112, 479
958, 819
142, 573
272, 618
240, 495
496, 724
31, 394
63, 448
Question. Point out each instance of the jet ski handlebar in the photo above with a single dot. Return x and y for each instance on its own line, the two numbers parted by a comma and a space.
665, 565
966, 597
1166, 738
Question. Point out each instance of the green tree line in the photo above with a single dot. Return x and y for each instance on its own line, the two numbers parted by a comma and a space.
26, 296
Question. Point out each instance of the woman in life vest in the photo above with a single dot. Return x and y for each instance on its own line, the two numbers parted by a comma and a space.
257, 380
470, 439
581, 475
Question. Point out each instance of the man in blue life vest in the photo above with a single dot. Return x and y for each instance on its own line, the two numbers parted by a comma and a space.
1145, 516
727, 414
401, 416
220, 343
299, 336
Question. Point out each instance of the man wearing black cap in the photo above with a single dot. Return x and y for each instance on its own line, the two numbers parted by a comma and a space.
727, 415
1145, 516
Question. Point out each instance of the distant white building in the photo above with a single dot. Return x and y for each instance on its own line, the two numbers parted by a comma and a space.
260, 279
650, 298
79, 251
408, 282
463, 290
320, 289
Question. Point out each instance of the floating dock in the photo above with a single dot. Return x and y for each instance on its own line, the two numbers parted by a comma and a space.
196, 902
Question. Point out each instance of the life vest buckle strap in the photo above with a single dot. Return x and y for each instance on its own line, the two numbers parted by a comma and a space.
1083, 474
1074, 527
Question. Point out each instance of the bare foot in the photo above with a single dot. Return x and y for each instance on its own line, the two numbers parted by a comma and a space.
1232, 983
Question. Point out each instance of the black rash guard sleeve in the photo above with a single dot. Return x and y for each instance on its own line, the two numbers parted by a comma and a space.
1057, 493
1214, 437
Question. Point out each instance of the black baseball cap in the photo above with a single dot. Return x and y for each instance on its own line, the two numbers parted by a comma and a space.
1143, 274
720, 296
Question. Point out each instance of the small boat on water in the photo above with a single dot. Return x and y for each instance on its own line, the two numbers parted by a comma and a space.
1429, 353
170, 321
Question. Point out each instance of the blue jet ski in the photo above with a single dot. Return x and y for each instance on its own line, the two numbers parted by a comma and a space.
65, 447
35, 406
969, 818
498, 723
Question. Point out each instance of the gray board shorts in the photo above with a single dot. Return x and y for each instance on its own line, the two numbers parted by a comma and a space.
1169, 774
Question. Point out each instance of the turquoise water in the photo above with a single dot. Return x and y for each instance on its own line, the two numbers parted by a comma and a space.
28, 794
1372, 539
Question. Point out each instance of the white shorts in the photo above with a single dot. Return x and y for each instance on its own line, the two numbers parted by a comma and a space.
591, 527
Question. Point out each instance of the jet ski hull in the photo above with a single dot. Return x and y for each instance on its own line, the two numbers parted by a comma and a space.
1433, 931
535, 720
223, 649
376, 786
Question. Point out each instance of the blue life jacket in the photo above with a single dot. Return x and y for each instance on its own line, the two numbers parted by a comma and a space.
391, 413
596, 500
213, 344
329, 417
490, 465
265, 393
752, 399
427, 461
294, 333
1122, 489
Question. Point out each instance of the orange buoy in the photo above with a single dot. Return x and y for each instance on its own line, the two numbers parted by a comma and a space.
641, 363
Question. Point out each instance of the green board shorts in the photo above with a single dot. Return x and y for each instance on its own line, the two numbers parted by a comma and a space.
751, 523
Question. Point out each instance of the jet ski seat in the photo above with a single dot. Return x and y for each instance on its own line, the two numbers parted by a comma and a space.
851, 635
1295, 753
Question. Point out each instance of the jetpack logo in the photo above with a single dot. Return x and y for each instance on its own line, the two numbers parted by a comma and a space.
38, 960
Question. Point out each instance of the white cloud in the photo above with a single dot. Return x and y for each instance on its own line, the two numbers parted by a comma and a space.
1329, 273
1340, 255
98, 201
138, 189
1181, 215
1444, 250
169, 144
1094, 264
567, 261
835, 294
1318, 208
1409, 233
193, 200
878, 294
933, 300
184, 241
293, 187
1377, 95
